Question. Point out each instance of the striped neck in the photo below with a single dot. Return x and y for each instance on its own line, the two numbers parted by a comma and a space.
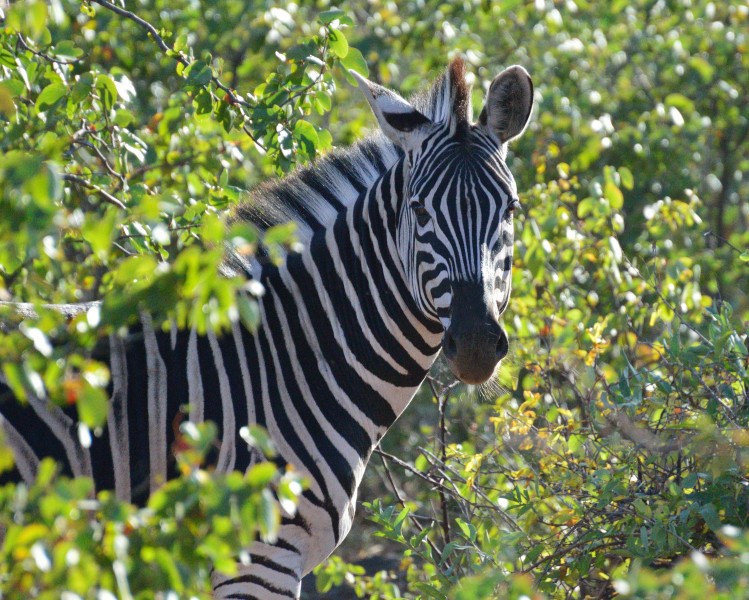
414, 336
353, 297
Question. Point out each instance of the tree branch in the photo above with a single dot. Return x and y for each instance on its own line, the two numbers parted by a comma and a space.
233, 98
140, 22
92, 186
435, 550
442, 401
24, 44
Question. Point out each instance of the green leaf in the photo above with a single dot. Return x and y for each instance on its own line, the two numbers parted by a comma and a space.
107, 91
704, 68
81, 88
710, 514
7, 106
338, 43
322, 101
198, 74
269, 515
627, 179
534, 553
681, 102
93, 406
325, 140
586, 207
249, 312
212, 228
123, 118
67, 49
180, 43
257, 437
644, 539
98, 232
35, 18
50, 96
203, 102
614, 195
7, 58
306, 136
261, 474
135, 268
400, 519
328, 16
575, 442
15, 379
280, 234
355, 61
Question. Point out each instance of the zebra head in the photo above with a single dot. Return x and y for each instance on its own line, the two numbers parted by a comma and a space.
454, 229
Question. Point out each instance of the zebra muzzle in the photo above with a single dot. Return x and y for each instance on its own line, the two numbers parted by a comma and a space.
474, 343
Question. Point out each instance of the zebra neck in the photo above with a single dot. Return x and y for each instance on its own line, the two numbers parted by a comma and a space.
399, 340
348, 293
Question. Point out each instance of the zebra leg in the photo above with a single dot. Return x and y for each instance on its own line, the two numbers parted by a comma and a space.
274, 573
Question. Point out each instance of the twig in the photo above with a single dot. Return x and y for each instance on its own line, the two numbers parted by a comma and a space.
660, 295
476, 489
92, 186
123, 250
402, 502
234, 99
102, 158
139, 21
442, 401
404, 465
22, 42
722, 239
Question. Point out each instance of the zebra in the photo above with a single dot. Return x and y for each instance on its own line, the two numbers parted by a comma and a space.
407, 250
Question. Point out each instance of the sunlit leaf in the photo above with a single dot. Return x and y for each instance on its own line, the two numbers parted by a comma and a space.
355, 61
50, 95
338, 43
107, 91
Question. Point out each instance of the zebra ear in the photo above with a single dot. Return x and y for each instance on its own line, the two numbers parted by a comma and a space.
400, 121
508, 104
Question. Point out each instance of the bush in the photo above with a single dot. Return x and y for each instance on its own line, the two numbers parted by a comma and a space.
610, 457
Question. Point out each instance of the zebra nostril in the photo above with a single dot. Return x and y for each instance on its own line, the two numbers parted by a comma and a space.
449, 346
503, 345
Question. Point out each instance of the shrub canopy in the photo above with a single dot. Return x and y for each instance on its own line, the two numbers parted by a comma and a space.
611, 454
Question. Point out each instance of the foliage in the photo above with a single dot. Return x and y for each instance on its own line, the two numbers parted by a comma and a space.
619, 441
57, 536
610, 458
114, 171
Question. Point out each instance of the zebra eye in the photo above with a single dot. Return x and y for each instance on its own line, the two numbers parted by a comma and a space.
510, 210
421, 212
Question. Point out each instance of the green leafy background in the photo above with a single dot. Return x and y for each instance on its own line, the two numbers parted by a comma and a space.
609, 457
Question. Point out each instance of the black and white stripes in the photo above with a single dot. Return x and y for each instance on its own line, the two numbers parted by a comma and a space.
407, 249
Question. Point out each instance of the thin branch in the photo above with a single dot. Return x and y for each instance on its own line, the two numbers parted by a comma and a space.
443, 468
435, 550
92, 186
723, 240
102, 158
123, 250
404, 465
660, 295
22, 42
233, 98
442, 401
140, 22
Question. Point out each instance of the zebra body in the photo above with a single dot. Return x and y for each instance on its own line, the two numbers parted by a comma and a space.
408, 242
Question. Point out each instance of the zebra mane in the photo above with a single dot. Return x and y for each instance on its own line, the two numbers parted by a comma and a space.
313, 195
